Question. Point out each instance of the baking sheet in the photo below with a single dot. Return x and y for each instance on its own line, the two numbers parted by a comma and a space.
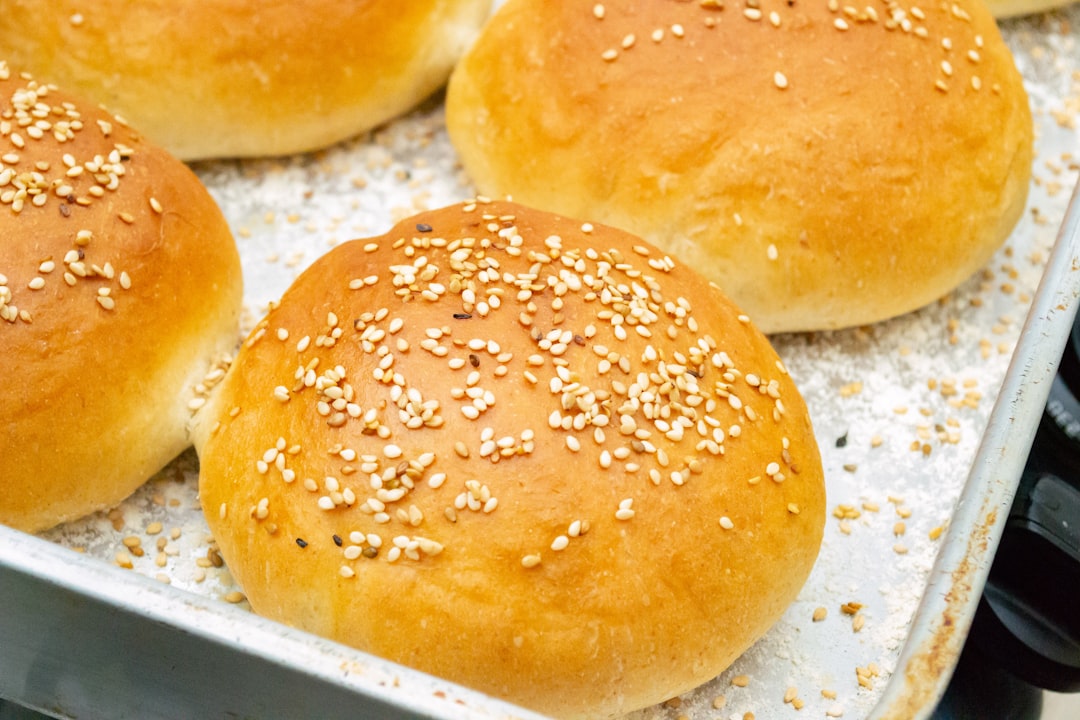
901, 410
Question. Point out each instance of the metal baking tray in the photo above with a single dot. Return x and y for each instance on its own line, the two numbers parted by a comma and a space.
924, 421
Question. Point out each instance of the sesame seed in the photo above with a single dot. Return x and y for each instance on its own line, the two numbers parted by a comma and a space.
530, 561
781, 81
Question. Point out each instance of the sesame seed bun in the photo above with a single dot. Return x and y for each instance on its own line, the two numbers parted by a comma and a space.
239, 79
827, 165
119, 288
1015, 8
531, 455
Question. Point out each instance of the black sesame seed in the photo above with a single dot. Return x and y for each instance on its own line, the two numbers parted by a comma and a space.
301, 542
841, 441
462, 316
337, 540
578, 340
370, 552
474, 360
423, 227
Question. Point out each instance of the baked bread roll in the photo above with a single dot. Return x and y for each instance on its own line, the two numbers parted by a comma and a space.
120, 288
237, 78
1015, 8
531, 455
827, 165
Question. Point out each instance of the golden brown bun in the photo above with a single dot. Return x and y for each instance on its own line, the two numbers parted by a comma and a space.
119, 286
515, 317
875, 180
1014, 8
238, 78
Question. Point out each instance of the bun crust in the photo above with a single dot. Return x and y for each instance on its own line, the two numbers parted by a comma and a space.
825, 169
1015, 8
119, 287
527, 454
237, 79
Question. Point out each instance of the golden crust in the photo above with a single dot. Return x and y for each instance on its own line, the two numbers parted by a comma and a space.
237, 78
119, 286
1015, 8
825, 169
478, 418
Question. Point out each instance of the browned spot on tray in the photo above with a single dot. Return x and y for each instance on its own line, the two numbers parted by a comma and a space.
918, 680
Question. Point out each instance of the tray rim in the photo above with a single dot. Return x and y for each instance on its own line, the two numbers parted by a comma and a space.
944, 614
